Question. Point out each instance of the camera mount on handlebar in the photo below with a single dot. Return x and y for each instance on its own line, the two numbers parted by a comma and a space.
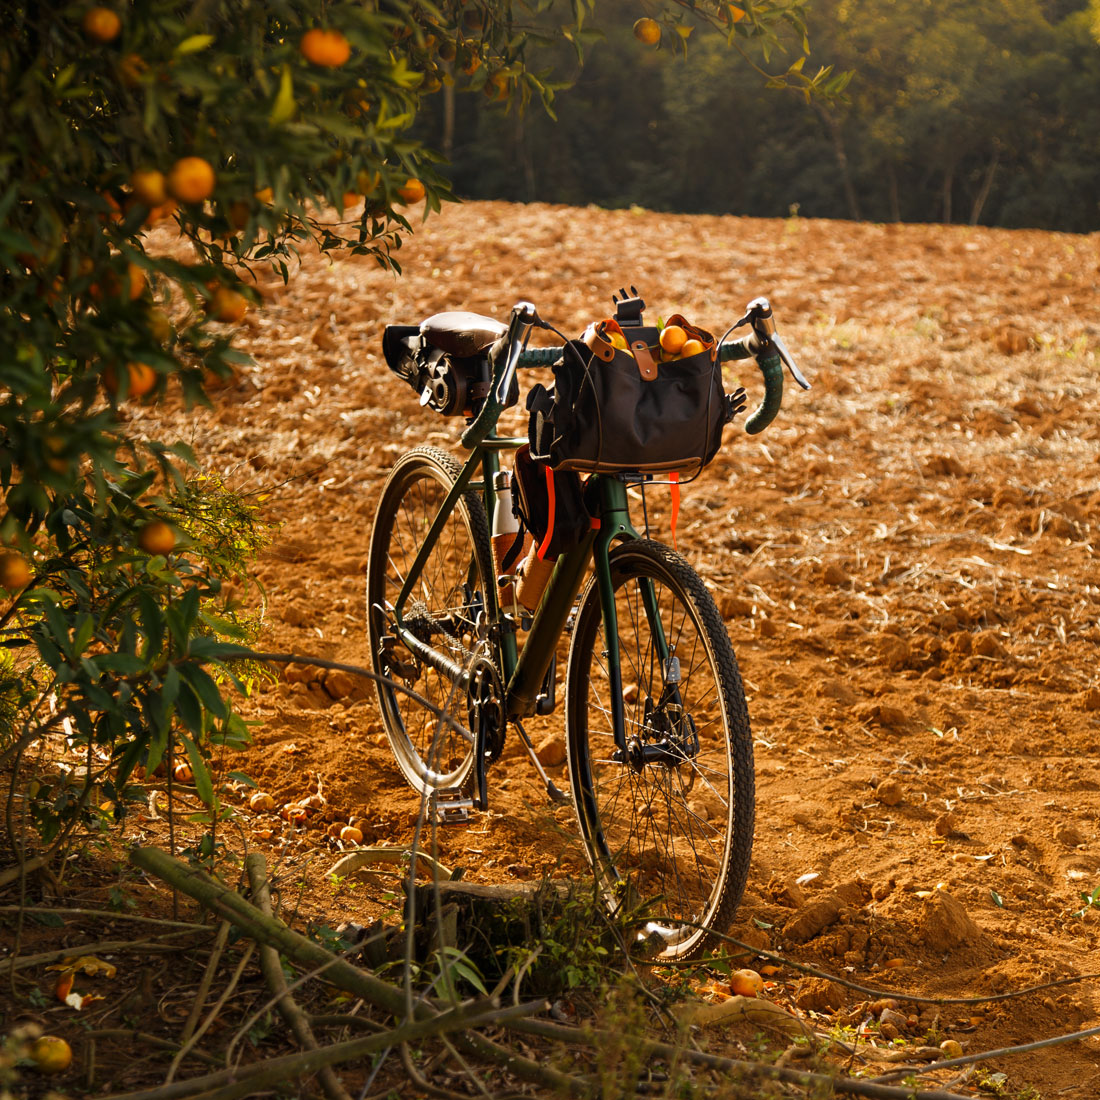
758, 314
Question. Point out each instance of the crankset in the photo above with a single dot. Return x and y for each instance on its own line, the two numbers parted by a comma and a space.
485, 707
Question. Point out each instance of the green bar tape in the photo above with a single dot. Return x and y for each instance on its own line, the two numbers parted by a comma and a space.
772, 370
539, 357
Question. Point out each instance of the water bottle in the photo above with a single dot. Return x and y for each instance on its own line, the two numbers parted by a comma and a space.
505, 531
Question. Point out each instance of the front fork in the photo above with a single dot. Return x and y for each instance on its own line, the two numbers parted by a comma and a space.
615, 526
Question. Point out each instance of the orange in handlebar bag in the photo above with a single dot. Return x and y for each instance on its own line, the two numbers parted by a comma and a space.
632, 408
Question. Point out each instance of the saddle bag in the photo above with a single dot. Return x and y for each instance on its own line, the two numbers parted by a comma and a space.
619, 403
445, 359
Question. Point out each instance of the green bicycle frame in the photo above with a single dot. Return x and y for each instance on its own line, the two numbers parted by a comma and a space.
523, 671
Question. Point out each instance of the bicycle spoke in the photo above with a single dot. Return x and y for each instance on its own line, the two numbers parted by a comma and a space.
440, 610
657, 819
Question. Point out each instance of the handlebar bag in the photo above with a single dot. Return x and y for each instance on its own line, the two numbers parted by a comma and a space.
613, 409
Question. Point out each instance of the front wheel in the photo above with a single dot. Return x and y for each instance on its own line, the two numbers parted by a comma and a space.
667, 816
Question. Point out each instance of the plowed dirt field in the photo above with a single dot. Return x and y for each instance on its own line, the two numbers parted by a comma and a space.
905, 563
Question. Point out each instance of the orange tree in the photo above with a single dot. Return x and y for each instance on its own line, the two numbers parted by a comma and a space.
153, 153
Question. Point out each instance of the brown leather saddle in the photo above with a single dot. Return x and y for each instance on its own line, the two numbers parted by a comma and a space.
461, 333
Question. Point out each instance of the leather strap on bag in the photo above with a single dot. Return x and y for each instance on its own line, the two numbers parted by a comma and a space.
602, 348
647, 367
544, 547
594, 340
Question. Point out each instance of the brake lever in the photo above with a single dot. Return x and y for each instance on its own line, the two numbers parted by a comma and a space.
785, 355
524, 316
758, 313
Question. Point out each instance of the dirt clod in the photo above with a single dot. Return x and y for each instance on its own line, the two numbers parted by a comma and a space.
946, 925
890, 792
551, 751
819, 995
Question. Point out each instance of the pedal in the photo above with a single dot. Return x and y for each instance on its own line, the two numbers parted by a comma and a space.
450, 806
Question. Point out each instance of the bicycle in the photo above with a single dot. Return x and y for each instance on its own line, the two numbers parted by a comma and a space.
659, 750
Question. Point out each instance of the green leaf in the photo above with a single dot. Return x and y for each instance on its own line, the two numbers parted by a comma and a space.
204, 648
205, 688
194, 44
49, 920
126, 664
203, 782
190, 708
282, 110
158, 746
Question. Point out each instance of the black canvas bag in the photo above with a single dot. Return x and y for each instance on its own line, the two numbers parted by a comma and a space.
612, 409
549, 504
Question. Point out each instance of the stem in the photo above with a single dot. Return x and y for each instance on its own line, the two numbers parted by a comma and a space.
220, 941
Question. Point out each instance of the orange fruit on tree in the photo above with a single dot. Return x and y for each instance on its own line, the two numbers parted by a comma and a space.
51, 1054
191, 179
141, 378
156, 537
411, 191
497, 86
15, 573
734, 14
265, 195
137, 281
227, 305
673, 338
325, 47
149, 186
102, 24
648, 31
131, 69
113, 285
159, 213
692, 347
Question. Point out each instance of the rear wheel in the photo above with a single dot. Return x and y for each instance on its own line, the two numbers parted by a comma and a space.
667, 818
444, 612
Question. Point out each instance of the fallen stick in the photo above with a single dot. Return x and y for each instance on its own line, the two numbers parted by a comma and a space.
750, 1070
228, 904
256, 868
25, 962
247, 1080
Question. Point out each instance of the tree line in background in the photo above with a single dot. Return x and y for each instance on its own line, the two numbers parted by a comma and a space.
980, 112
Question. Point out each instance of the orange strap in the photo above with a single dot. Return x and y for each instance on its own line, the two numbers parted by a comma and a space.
544, 546
674, 477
